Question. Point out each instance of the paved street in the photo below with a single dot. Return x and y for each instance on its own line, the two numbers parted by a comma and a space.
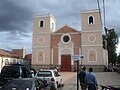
104, 78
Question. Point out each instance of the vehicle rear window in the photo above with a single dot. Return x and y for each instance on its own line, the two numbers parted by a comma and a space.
44, 74
6, 72
55, 73
15, 72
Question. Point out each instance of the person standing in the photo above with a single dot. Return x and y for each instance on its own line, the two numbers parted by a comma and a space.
81, 77
91, 80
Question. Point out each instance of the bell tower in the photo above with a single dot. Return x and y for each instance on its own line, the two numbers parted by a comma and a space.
43, 26
92, 47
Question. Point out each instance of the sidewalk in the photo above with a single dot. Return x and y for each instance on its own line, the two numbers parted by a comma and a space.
103, 78
66, 76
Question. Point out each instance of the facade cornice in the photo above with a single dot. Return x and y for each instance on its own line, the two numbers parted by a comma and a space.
91, 11
45, 15
65, 33
41, 33
91, 31
41, 47
92, 45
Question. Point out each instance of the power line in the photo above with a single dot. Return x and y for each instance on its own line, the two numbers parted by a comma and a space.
104, 17
104, 13
98, 4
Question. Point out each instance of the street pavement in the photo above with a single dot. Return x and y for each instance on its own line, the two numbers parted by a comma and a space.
103, 78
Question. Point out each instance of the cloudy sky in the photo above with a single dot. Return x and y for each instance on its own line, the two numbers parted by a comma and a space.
16, 18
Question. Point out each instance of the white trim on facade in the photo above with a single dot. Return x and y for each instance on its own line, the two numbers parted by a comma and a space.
66, 33
41, 33
91, 35
97, 45
93, 19
52, 56
90, 11
41, 47
61, 49
59, 55
40, 23
72, 52
88, 55
63, 37
93, 31
43, 40
45, 15
37, 55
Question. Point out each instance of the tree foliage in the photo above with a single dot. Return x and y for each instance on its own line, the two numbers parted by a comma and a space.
118, 58
110, 42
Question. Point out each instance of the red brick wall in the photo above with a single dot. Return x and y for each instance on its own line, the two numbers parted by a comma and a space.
56, 38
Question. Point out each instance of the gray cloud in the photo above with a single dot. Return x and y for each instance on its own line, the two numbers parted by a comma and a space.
113, 15
14, 17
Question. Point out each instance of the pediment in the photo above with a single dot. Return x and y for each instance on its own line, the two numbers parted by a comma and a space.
67, 29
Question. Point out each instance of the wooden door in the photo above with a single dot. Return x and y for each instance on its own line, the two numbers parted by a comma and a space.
66, 63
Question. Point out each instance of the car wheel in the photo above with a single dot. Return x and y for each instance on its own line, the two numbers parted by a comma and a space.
53, 88
60, 83
56, 86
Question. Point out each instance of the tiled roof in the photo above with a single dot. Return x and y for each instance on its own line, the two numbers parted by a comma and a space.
7, 53
28, 57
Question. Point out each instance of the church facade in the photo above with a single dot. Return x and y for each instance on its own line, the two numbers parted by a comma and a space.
53, 47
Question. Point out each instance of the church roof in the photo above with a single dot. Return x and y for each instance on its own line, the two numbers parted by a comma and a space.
67, 29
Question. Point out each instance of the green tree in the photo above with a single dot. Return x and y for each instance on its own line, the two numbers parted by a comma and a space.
110, 42
118, 58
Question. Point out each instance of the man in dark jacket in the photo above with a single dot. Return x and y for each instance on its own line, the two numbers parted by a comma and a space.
81, 77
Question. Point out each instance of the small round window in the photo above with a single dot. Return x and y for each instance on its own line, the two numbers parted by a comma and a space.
65, 38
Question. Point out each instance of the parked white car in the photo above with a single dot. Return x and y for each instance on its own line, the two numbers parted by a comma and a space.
52, 77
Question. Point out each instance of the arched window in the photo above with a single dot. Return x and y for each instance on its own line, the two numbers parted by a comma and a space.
40, 55
41, 23
92, 55
6, 61
14, 61
52, 26
91, 20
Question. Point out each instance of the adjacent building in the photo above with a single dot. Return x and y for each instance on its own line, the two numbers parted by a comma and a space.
13, 57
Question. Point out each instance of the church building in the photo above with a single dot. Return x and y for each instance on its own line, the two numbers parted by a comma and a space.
51, 47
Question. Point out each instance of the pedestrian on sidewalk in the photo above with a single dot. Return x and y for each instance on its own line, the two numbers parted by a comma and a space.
81, 77
91, 80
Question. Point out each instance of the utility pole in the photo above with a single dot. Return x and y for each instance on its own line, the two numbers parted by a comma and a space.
77, 74
76, 58
106, 32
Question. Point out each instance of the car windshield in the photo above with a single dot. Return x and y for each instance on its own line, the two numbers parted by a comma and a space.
18, 85
44, 74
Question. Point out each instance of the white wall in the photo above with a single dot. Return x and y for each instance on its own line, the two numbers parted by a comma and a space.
0, 63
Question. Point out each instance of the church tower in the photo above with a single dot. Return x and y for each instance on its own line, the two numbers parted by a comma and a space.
43, 26
92, 47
